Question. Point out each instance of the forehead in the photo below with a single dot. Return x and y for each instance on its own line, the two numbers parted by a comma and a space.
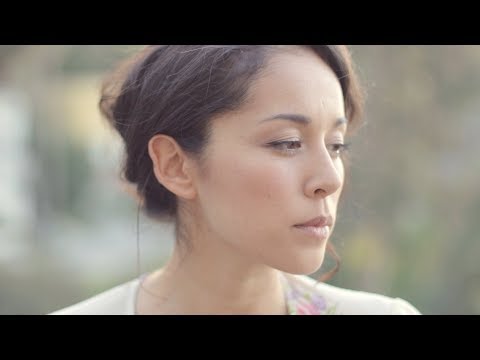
296, 80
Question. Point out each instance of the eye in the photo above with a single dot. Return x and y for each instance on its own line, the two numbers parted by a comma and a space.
338, 149
288, 147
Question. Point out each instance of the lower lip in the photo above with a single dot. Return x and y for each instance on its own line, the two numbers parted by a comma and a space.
320, 232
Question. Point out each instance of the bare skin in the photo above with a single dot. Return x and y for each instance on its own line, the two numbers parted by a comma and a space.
241, 204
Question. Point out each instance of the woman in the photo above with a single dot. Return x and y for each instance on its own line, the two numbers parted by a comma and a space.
243, 148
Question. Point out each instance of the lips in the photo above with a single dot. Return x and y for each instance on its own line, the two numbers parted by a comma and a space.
319, 228
317, 222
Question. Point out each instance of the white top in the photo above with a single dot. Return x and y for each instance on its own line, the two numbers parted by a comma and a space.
304, 295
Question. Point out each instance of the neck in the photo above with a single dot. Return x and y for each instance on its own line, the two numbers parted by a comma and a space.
193, 283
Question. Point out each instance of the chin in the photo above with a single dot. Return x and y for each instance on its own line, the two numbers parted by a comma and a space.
302, 265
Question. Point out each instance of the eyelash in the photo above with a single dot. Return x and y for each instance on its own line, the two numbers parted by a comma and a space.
339, 148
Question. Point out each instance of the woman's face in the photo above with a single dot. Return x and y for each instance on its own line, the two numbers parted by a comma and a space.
275, 163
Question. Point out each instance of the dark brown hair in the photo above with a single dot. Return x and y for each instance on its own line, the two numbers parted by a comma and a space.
177, 89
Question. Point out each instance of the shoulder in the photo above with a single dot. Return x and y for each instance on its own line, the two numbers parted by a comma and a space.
336, 300
119, 300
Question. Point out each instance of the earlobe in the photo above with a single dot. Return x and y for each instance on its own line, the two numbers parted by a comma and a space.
169, 166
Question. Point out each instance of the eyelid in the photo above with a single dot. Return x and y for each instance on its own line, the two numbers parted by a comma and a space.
342, 148
280, 143
337, 149
338, 134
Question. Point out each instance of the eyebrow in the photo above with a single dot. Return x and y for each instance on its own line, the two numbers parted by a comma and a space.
301, 119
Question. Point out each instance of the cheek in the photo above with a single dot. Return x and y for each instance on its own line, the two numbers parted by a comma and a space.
341, 172
264, 183
335, 197
249, 184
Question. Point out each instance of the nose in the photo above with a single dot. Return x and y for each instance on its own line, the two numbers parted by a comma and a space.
326, 175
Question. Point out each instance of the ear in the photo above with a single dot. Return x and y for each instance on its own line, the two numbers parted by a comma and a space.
171, 166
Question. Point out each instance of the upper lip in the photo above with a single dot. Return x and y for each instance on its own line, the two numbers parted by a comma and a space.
318, 221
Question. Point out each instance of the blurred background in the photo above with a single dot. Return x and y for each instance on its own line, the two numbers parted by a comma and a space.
408, 225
